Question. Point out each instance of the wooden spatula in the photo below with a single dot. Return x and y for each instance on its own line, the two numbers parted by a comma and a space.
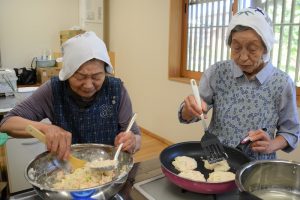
75, 162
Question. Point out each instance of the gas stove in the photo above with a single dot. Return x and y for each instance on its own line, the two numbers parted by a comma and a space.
160, 187
32, 195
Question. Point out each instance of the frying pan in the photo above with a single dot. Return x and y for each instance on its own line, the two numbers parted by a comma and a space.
193, 149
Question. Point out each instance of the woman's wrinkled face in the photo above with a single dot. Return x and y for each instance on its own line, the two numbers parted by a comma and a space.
247, 49
88, 79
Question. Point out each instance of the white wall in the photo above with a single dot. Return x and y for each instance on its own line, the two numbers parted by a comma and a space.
139, 32
28, 27
139, 35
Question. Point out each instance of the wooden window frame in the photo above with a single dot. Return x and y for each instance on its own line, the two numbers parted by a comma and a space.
183, 71
178, 44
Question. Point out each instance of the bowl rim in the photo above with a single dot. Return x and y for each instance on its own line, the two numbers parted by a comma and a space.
239, 172
120, 177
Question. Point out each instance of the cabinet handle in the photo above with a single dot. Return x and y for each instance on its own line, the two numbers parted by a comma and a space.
31, 143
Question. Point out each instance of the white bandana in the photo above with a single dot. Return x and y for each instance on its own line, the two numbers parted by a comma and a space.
257, 19
80, 49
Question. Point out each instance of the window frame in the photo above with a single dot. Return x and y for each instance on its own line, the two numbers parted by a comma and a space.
184, 72
178, 42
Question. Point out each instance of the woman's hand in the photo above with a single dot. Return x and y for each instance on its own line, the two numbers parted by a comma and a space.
128, 139
262, 143
58, 141
191, 109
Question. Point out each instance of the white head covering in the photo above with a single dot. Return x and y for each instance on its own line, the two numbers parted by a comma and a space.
257, 19
80, 49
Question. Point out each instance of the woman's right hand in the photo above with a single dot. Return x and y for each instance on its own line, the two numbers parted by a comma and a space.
58, 141
191, 109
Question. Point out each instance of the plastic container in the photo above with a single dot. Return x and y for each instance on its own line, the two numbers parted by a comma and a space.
45, 63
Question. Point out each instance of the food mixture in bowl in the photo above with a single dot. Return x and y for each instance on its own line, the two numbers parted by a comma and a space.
87, 176
82, 178
49, 173
98, 163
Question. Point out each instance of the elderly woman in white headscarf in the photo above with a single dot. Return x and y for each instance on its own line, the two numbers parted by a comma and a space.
84, 104
250, 97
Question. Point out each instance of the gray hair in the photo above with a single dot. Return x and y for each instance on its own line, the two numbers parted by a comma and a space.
240, 28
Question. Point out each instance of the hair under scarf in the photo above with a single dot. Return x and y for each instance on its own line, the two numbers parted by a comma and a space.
80, 49
258, 20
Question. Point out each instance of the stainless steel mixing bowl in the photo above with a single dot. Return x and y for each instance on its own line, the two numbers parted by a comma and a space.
42, 171
270, 179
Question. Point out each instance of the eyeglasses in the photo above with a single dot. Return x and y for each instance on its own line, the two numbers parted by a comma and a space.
96, 77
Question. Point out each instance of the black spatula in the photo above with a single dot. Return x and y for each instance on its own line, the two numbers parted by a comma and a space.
211, 145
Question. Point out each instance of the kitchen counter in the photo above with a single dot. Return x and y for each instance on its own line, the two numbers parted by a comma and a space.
140, 172
6, 104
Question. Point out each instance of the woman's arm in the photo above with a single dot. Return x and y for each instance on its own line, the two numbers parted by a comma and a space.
288, 124
132, 139
15, 126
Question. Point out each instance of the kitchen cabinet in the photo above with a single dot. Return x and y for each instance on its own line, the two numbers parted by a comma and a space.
18, 153
91, 16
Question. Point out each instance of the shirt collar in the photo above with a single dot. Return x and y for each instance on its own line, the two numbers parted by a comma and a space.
260, 76
264, 73
237, 72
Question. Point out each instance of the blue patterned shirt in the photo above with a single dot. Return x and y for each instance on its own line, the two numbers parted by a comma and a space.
240, 105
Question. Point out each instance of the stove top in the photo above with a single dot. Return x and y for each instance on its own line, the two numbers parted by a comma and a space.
32, 195
160, 187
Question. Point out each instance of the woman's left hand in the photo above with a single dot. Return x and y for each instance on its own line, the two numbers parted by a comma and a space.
128, 139
260, 141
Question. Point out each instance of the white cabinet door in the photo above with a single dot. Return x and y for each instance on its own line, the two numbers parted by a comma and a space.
19, 152
91, 16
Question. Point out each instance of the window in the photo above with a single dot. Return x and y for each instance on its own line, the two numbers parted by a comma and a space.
201, 27
188, 54
285, 15
205, 32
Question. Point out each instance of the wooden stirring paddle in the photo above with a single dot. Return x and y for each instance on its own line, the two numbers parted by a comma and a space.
75, 162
